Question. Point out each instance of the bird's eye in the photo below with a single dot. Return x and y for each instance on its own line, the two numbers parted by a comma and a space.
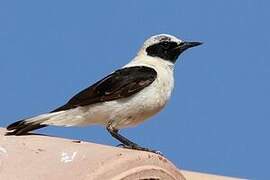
166, 45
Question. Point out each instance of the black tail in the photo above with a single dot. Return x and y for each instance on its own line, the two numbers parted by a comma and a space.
22, 127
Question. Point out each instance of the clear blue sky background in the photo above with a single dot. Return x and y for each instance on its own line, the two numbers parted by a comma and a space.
218, 119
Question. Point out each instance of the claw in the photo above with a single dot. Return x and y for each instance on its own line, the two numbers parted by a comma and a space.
139, 149
159, 153
121, 145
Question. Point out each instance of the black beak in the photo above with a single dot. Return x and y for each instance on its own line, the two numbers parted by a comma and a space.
191, 44
186, 45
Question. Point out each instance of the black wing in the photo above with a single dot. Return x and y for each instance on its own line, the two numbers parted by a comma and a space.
120, 84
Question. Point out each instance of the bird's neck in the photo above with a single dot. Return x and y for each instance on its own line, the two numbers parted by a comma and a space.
144, 60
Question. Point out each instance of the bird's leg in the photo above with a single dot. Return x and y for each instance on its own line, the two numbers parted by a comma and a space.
119, 137
127, 143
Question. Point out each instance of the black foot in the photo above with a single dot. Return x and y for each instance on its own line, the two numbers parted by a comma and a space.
140, 149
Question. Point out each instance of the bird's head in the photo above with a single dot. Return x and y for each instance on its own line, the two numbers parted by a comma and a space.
166, 47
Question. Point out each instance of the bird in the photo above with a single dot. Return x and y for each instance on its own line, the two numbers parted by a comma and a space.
124, 98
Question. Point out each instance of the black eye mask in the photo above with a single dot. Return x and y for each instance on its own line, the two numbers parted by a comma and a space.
166, 50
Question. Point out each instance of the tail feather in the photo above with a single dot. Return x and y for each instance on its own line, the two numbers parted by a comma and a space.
15, 125
24, 126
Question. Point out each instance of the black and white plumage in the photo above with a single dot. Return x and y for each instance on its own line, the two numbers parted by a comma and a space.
120, 84
122, 99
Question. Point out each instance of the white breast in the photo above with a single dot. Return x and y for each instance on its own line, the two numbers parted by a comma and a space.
153, 98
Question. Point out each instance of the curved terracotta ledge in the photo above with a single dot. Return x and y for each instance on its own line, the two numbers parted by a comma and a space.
43, 157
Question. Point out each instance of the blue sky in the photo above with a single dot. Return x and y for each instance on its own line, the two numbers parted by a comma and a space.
218, 118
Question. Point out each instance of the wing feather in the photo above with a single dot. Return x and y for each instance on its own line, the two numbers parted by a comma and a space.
120, 84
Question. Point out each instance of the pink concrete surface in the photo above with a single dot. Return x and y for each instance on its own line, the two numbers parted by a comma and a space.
35, 157
38, 157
